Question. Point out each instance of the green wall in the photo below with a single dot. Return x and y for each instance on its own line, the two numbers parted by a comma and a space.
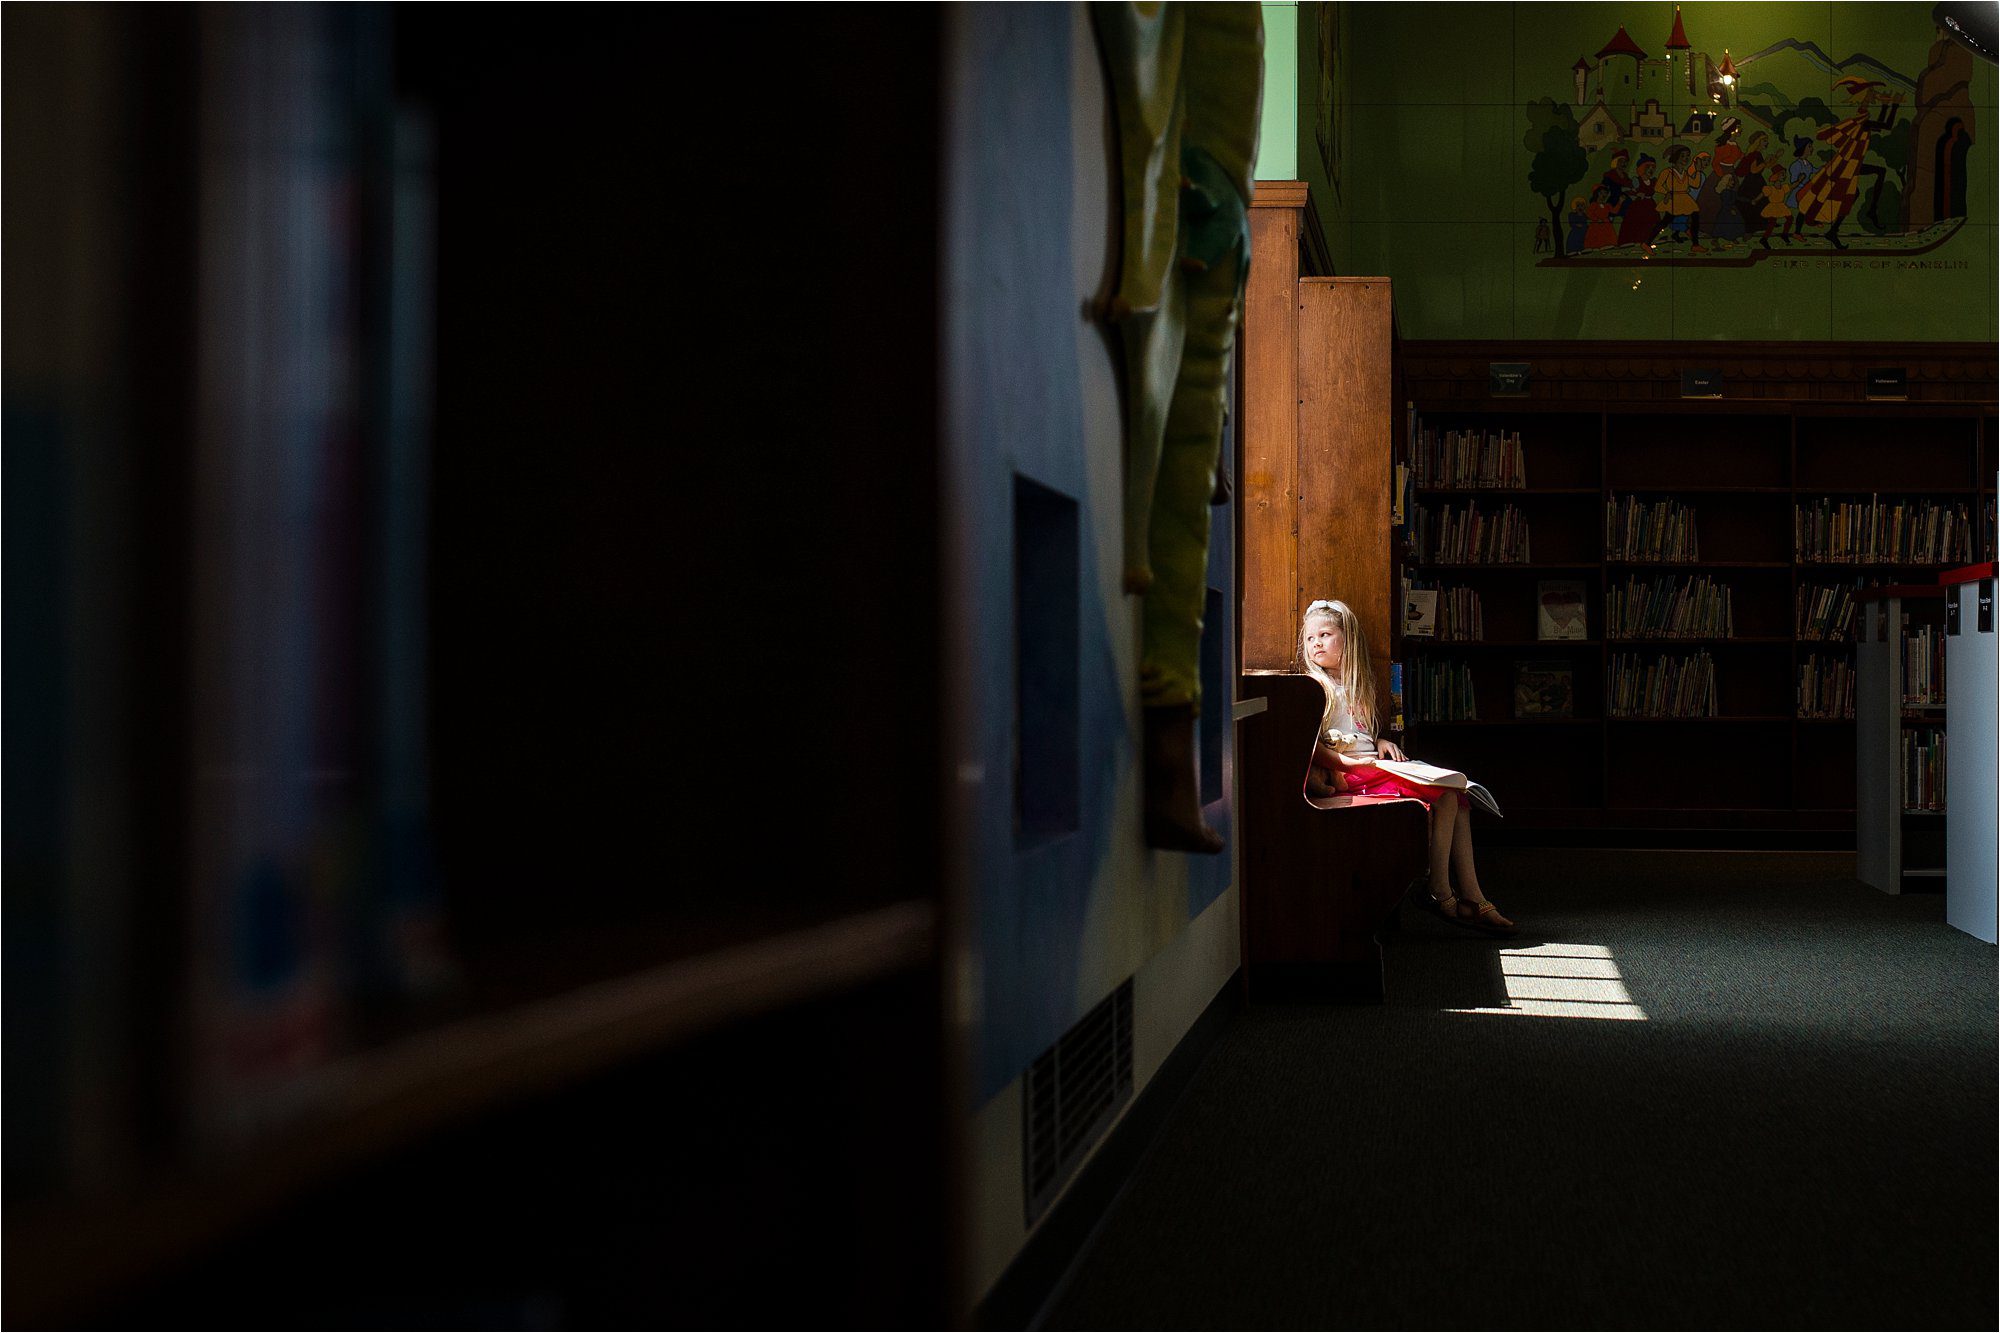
1322, 118
1434, 167
1278, 141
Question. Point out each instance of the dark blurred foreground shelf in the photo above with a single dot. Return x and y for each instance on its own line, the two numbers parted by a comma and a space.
1425, 724
64, 1256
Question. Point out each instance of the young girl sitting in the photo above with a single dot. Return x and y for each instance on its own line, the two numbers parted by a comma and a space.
1336, 654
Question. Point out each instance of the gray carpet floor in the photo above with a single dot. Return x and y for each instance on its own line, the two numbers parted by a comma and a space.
1801, 1133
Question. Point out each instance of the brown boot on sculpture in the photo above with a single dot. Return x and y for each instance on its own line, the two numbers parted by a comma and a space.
1173, 786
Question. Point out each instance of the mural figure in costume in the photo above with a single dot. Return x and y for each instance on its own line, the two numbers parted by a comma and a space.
1719, 217
1796, 176
1677, 206
1774, 209
1749, 194
1865, 178
1186, 83
1829, 196
1642, 212
1603, 225
1617, 182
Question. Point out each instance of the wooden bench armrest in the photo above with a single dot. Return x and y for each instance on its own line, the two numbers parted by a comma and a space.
1357, 802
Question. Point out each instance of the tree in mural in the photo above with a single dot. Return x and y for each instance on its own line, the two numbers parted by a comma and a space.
1559, 160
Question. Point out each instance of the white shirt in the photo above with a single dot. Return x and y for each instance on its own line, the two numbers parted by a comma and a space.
1343, 720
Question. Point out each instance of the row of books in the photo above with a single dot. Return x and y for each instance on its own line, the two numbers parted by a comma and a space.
1826, 687
1470, 537
1923, 664
1669, 687
1434, 610
1636, 529
1441, 692
1541, 689
1915, 532
1468, 458
1431, 611
1671, 607
1923, 769
1825, 613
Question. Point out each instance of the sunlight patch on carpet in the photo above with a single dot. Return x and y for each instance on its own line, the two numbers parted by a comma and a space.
1563, 981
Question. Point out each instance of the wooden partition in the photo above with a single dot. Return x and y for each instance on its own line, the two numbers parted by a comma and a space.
1270, 427
1318, 413
1346, 416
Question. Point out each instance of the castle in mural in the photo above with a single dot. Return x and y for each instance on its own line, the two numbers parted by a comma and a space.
1683, 157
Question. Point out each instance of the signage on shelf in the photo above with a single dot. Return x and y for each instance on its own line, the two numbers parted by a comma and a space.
1508, 379
1701, 384
1890, 382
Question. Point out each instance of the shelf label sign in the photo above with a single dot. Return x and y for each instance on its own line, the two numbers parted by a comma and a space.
1508, 379
1951, 613
1701, 384
1891, 382
1986, 606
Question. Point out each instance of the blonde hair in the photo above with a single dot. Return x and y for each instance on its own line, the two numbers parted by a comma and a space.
1357, 681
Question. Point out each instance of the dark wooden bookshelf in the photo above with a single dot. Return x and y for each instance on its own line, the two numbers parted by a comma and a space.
1517, 722
1455, 491
1519, 643
1696, 564
1656, 718
1505, 566
583, 1035
1759, 461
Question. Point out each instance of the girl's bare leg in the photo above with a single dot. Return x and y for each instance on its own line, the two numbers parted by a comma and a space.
1461, 855
1444, 820
1468, 878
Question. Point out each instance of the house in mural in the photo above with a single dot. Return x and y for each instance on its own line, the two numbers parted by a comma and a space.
1902, 146
1651, 124
1598, 128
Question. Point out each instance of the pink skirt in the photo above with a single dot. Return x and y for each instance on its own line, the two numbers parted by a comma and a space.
1374, 782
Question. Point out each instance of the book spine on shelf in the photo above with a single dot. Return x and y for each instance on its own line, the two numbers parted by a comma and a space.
1668, 687
1923, 770
1879, 531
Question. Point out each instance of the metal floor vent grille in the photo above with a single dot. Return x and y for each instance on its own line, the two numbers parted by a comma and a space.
1073, 1092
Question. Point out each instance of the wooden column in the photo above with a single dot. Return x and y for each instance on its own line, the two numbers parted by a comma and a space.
1345, 422
1271, 427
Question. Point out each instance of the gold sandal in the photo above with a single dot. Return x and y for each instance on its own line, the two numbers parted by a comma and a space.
1485, 917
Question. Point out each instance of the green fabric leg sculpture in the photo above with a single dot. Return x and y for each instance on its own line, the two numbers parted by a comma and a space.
1186, 82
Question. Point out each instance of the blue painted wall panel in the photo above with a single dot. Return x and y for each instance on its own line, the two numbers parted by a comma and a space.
1058, 920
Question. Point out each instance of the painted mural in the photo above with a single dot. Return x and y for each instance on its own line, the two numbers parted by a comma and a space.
1658, 150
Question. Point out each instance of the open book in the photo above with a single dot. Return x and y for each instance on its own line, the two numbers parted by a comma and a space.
1433, 776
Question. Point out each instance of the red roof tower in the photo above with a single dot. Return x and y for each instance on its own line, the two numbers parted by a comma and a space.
1622, 45
1678, 39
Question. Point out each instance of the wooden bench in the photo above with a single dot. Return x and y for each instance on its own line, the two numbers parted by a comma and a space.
1322, 877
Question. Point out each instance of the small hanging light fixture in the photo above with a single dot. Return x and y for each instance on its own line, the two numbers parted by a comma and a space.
1728, 71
